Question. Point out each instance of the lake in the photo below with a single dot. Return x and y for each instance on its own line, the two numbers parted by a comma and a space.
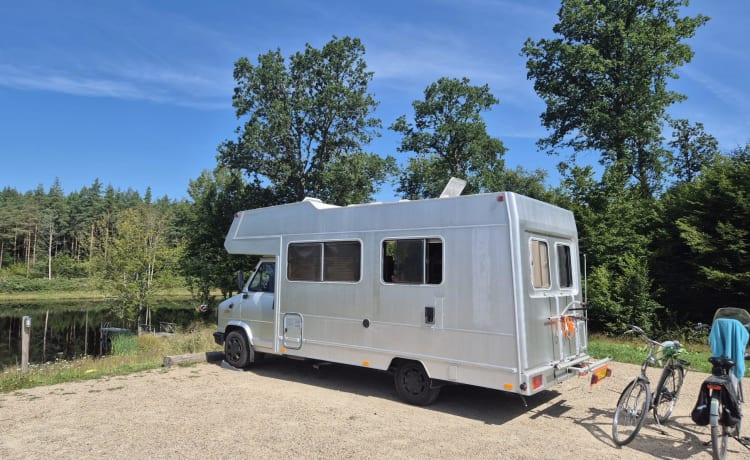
74, 328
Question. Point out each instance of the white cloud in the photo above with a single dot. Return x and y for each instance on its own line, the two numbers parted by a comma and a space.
158, 85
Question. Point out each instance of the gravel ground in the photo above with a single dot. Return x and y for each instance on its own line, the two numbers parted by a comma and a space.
287, 409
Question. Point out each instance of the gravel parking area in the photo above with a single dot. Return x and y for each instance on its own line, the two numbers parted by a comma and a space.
288, 409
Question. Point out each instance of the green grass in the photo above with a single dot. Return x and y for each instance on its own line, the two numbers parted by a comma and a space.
635, 351
131, 353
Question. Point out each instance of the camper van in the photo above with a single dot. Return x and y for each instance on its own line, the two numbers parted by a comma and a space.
481, 290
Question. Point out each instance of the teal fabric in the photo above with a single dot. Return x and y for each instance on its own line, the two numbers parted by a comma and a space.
729, 338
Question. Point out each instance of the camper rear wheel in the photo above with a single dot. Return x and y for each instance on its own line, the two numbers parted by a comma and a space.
237, 351
413, 385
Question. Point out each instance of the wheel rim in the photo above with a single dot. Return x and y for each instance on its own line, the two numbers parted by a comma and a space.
414, 382
668, 395
630, 413
234, 349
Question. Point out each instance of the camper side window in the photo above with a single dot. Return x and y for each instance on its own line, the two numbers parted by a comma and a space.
540, 264
324, 261
413, 261
564, 266
304, 262
341, 261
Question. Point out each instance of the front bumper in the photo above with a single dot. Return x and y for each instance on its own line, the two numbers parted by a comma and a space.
219, 338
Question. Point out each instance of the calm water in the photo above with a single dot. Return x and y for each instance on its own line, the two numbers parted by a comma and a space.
75, 328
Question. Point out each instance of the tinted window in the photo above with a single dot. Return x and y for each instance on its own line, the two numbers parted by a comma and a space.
324, 261
565, 267
304, 262
341, 261
413, 261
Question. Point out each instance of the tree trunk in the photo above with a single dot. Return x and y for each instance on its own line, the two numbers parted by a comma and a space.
91, 242
36, 239
28, 252
49, 252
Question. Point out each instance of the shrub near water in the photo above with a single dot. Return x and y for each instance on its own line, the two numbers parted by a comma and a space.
130, 353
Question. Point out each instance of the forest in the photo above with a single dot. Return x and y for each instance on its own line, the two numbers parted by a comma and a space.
663, 215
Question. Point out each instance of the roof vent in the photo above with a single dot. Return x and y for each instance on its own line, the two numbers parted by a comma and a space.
454, 188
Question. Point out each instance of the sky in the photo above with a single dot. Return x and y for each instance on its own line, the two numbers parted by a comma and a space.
138, 93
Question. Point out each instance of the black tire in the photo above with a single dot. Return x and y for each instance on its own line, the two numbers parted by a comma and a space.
668, 392
237, 351
719, 432
413, 385
630, 412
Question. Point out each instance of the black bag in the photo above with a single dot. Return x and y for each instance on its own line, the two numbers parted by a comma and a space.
730, 415
702, 410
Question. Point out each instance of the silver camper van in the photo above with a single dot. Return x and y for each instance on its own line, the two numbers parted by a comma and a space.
481, 290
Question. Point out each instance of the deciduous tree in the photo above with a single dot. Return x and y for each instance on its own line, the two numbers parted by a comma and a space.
604, 80
449, 138
306, 120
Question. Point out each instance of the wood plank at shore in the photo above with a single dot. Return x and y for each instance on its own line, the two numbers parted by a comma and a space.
209, 356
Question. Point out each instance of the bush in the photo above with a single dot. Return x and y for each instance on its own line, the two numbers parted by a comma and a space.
66, 267
23, 284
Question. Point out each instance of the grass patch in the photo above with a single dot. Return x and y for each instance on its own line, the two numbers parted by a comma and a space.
635, 351
132, 354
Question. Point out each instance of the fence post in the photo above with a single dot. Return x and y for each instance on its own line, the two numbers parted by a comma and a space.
25, 333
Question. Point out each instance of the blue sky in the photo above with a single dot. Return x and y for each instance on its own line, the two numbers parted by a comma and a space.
138, 93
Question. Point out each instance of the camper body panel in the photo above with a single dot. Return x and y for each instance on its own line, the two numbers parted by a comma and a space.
474, 317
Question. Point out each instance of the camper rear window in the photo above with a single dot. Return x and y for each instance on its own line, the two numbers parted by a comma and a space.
324, 261
540, 264
565, 268
413, 261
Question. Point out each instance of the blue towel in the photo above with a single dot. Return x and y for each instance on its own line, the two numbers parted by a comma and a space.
729, 338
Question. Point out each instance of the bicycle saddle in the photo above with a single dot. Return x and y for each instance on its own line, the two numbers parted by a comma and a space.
721, 362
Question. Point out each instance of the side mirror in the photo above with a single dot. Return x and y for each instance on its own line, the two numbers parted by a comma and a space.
240, 281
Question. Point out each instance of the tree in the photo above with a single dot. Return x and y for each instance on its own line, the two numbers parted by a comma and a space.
519, 180
703, 248
615, 228
605, 80
693, 149
217, 196
449, 137
306, 123
139, 259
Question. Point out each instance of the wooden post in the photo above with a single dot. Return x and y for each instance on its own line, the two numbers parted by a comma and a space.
44, 339
25, 333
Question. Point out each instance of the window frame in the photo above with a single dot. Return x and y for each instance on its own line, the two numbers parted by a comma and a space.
425, 265
570, 266
321, 269
532, 265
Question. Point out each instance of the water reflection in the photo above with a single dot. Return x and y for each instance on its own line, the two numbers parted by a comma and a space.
74, 328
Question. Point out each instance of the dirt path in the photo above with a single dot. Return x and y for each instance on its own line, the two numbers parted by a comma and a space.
287, 409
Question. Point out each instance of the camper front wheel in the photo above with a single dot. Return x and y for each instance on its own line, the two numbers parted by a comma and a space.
237, 351
413, 385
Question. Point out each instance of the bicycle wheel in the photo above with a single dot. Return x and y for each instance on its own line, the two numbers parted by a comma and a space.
668, 391
630, 412
719, 433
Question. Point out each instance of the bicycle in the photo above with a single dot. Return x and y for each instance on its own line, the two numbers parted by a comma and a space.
726, 398
636, 399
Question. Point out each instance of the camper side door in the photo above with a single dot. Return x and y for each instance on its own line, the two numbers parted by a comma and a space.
258, 305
